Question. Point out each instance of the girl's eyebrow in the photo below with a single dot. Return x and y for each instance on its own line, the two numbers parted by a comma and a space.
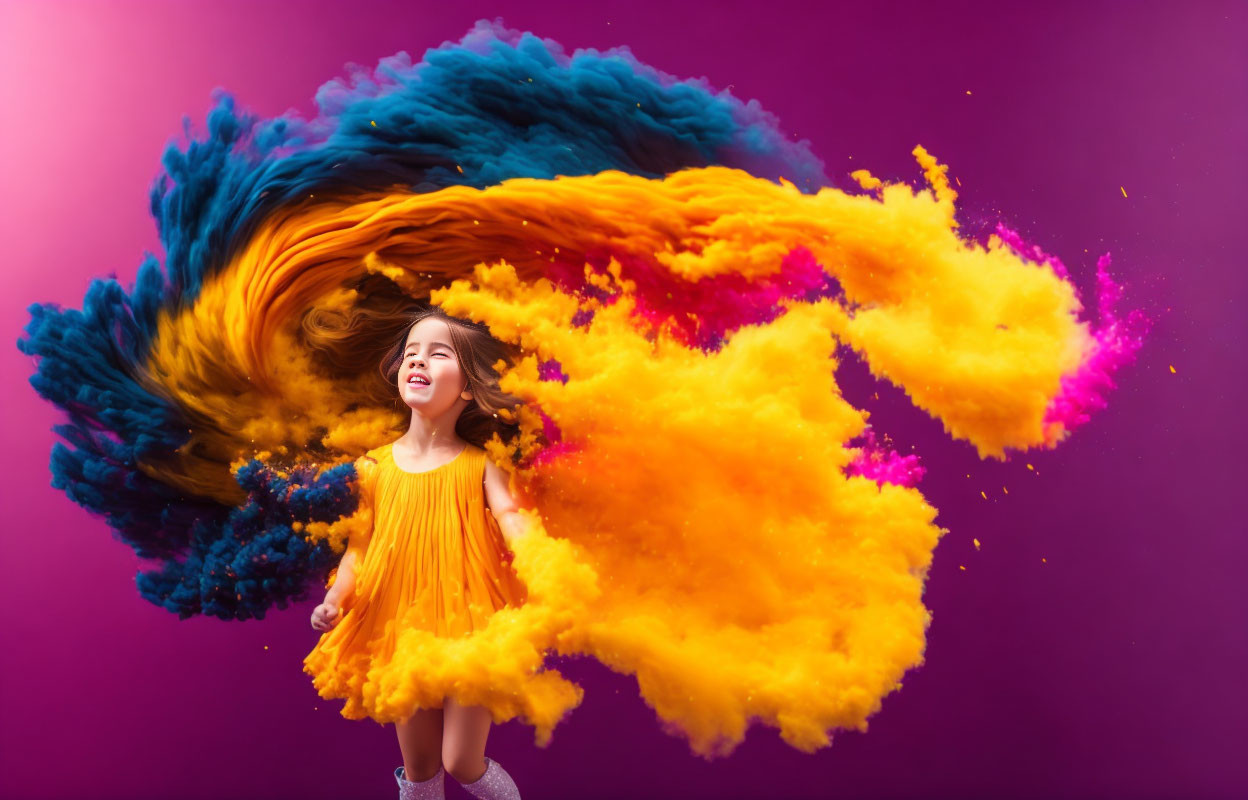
431, 346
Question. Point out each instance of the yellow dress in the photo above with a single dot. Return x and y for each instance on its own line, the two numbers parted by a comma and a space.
435, 560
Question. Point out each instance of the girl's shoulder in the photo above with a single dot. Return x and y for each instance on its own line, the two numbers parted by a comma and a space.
476, 452
371, 458
377, 453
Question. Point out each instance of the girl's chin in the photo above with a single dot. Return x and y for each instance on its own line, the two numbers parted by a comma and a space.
423, 404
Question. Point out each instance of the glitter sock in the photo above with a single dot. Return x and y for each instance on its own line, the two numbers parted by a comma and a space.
495, 784
432, 789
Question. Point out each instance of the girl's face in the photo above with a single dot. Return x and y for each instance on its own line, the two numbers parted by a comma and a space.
428, 356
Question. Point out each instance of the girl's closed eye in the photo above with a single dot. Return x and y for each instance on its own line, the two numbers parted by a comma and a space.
444, 355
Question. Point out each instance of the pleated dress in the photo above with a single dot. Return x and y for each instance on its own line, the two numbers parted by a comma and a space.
435, 559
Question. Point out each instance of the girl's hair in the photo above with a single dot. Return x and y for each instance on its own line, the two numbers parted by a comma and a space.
375, 329
477, 351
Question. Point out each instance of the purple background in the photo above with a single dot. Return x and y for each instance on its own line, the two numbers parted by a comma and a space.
1114, 668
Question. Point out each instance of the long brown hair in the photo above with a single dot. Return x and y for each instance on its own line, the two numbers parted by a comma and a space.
477, 351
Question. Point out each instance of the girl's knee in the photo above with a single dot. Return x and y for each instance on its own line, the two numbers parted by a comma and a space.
463, 767
421, 769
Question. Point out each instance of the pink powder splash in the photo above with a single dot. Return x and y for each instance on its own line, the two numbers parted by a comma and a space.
702, 313
1116, 342
1031, 251
883, 465
556, 447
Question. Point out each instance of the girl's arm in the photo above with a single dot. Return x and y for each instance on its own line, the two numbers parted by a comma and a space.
504, 507
344, 580
357, 543
327, 615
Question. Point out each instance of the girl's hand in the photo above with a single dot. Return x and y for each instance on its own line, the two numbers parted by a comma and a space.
326, 616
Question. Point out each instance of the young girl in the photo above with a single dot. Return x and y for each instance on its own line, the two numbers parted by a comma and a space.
434, 557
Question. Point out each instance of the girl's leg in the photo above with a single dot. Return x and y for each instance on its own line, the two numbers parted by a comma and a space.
463, 753
420, 739
465, 729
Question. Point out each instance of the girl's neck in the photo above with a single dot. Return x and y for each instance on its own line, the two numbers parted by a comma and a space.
431, 435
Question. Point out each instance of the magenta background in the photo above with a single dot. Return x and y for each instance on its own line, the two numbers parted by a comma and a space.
1116, 669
